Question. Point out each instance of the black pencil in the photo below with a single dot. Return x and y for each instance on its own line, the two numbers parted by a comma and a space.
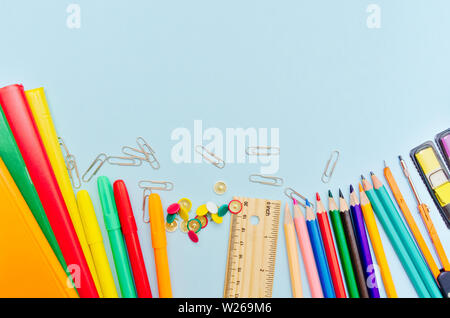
352, 246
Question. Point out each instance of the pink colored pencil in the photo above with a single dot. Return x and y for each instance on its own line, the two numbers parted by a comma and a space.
307, 253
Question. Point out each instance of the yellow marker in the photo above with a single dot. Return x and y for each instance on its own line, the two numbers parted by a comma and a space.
42, 117
95, 242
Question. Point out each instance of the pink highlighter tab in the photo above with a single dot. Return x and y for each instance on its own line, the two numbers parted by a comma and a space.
446, 145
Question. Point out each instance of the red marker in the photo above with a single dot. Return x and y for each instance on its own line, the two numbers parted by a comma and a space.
330, 250
129, 230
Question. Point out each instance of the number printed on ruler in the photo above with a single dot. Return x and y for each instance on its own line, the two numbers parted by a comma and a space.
252, 249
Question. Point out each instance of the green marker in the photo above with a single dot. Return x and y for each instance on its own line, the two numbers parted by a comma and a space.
411, 247
116, 240
344, 253
395, 240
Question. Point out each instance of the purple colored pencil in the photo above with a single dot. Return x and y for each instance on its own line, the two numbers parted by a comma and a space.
363, 245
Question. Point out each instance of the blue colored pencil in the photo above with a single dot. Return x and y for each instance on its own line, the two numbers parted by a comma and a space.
319, 253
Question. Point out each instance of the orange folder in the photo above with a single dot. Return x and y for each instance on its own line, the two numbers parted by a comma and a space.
28, 266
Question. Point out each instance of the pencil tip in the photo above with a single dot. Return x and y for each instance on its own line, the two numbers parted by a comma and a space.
340, 193
400, 158
330, 195
295, 201
362, 177
317, 196
371, 173
360, 187
385, 165
307, 202
351, 189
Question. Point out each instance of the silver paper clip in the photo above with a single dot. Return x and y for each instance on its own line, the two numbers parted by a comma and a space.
148, 152
124, 161
71, 165
292, 194
144, 200
328, 173
259, 178
156, 185
134, 153
218, 162
262, 151
94, 167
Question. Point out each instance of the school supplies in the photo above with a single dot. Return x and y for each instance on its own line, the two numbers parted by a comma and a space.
330, 250
363, 244
406, 238
71, 164
410, 220
341, 242
319, 253
129, 230
210, 157
293, 260
353, 246
307, 252
23, 127
252, 249
28, 266
16, 166
95, 241
408, 264
443, 141
43, 119
435, 176
159, 243
116, 240
377, 245
328, 172
425, 214
267, 180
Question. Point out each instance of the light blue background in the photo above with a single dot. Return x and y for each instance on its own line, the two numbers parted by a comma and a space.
311, 68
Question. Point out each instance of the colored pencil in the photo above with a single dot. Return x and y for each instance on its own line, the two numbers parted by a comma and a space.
363, 244
410, 220
406, 238
307, 253
377, 245
342, 246
395, 240
319, 253
293, 259
330, 250
424, 213
353, 246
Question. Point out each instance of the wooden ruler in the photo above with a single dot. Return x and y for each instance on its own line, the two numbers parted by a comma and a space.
252, 249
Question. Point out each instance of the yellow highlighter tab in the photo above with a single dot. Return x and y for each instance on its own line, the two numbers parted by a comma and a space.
42, 117
435, 177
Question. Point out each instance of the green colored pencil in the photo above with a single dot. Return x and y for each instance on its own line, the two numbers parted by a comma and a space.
411, 247
344, 253
396, 242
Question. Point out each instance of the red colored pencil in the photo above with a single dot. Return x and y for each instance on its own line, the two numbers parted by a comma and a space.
129, 230
330, 250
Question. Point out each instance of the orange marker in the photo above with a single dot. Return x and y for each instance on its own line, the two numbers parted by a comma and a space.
159, 243
410, 220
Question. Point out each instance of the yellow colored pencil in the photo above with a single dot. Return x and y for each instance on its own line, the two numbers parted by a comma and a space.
374, 235
292, 252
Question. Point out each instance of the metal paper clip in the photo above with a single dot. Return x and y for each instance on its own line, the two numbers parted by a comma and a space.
124, 161
326, 176
292, 194
268, 151
148, 152
71, 164
134, 153
156, 185
219, 163
94, 167
259, 178
144, 200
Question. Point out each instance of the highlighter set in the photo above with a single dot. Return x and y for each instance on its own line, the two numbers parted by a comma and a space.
51, 228
433, 171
